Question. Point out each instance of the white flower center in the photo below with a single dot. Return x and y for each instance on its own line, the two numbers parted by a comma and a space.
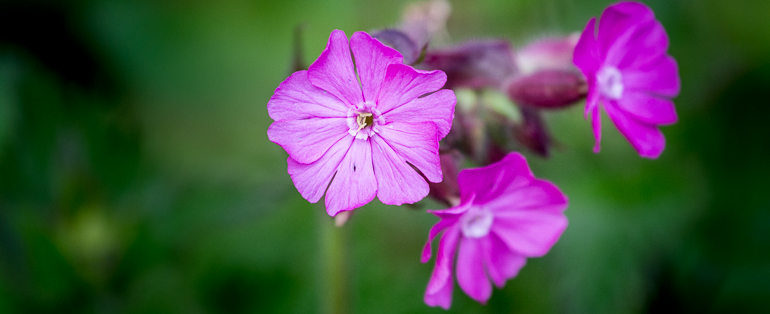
610, 82
476, 223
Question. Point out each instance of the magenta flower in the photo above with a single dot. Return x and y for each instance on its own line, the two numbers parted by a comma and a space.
362, 137
630, 75
505, 216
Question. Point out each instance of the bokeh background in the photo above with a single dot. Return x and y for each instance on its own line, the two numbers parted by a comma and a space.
136, 175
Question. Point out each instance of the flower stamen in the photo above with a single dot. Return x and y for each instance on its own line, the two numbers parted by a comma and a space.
364, 119
476, 223
610, 82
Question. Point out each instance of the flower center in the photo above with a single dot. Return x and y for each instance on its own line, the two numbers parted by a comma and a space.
476, 223
610, 82
362, 121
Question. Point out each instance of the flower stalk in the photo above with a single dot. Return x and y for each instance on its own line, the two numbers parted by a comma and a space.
334, 270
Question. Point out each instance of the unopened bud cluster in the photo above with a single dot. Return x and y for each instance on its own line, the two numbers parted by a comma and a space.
536, 78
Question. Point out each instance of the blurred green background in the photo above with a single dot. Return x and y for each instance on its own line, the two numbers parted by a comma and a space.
136, 175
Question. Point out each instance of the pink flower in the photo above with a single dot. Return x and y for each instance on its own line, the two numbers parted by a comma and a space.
362, 137
630, 75
505, 216
552, 53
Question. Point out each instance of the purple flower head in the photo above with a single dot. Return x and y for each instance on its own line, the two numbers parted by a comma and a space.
355, 131
630, 75
505, 216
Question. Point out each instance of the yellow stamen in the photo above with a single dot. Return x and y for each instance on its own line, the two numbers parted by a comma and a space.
362, 119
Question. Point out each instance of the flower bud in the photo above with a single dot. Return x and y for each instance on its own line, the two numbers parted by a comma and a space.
468, 134
547, 53
473, 64
495, 153
547, 89
424, 21
532, 132
400, 41
447, 191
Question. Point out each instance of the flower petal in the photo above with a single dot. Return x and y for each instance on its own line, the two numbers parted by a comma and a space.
372, 60
470, 270
501, 263
333, 70
617, 19
452, 212
417, 144
307, 140
530, 233
400, 41
529, 217
596, 125
434, 231
647, 139
312, 179
438, 108
648, 109
397, 182
639, 45
648, 42
586, 55
442, 297
532, 194
403, 84
593, 97
296, 98
439, 291
354, 185
489, 182
660, 77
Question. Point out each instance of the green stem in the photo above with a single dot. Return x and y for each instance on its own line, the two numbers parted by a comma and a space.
334, 277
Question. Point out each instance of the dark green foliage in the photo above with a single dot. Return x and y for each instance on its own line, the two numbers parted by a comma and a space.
136, 175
